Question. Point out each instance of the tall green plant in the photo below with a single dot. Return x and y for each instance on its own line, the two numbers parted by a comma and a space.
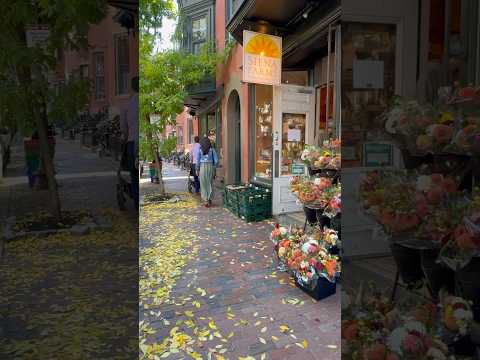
165, 77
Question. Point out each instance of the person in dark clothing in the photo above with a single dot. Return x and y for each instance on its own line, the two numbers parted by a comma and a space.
193, 164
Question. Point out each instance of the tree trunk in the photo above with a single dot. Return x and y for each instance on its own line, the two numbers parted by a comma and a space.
154, 151
47, 162
159, 172
40, 115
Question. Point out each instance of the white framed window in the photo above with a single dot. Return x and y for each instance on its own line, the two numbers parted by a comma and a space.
99, 63
121, 64
199, 33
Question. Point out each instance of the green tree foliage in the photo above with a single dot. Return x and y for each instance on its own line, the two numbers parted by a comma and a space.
167, 146
165, 76
27, 99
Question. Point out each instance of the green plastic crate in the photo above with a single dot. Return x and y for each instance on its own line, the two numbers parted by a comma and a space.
250, 203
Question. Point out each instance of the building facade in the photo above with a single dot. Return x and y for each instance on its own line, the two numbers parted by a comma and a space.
110, 62
251, 121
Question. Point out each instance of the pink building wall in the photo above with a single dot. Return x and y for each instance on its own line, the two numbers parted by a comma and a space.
182, 121
101, 38
230, 74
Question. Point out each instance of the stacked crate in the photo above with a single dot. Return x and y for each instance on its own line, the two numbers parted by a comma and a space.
249, 202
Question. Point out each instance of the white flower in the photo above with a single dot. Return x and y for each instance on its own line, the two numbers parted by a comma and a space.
436, 354
305, 248
305, 154
416, 326
424, 182
317, 181
395, 339
283, 231
463, 315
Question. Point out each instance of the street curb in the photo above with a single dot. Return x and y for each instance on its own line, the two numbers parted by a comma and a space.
100, 223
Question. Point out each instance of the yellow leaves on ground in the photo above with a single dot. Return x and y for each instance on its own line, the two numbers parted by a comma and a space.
166, 247
67, 293
166, 250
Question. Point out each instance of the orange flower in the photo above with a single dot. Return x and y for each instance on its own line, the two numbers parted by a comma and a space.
331, 265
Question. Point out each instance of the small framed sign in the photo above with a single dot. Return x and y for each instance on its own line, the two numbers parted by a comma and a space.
298, 169
377, 154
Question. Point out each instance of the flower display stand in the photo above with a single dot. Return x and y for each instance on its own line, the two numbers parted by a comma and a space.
319, 289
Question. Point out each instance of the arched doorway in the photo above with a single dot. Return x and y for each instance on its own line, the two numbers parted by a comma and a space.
233, 139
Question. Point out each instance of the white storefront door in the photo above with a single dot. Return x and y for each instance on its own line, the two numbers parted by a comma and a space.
294, 121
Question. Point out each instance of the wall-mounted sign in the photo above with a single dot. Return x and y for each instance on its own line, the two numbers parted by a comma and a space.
377, 154
294, 135
262, 58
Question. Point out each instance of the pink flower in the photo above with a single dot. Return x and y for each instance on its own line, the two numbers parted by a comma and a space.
312, 249
412, 344
375, 352
442, 133
449, 185
435, 195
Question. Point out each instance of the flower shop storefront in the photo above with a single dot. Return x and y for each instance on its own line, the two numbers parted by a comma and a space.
301, 108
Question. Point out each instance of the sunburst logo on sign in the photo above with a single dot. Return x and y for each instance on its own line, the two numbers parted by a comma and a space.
263, 45
262, 58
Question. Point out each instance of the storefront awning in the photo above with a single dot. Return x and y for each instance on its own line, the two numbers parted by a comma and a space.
303, 24
201, 103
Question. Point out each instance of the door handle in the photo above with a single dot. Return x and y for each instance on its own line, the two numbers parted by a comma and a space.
277, 164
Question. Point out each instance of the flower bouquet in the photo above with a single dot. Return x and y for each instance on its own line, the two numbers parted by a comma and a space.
325, 157
375, 328
311, 192
448, 127
285, 241
316, 270
456, 314
394, 209
464, 242
307, 258
440, 206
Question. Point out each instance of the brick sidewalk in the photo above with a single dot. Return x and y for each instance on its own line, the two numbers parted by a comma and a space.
83, 178
235, 267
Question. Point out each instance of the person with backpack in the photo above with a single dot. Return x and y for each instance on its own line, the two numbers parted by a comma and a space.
207, 161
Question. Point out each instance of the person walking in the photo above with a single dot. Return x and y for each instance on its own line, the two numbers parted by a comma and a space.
207, 160
129, 127
193, 166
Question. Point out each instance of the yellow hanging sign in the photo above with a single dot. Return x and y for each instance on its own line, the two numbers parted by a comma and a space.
262, 58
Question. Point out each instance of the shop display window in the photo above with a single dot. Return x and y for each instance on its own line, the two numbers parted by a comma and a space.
368, 85
263, 131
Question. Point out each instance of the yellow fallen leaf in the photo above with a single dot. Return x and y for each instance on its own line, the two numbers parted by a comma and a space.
212, 325
305, 343
284, 328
